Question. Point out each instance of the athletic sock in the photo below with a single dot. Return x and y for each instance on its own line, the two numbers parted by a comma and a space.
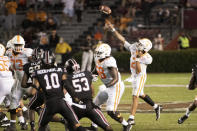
131, 117
21, 119
155, 106
187, 112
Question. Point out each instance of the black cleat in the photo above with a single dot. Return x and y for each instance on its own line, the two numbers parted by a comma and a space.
12, 127
158, 111
182, 119
5, 123
24, 126
131, 122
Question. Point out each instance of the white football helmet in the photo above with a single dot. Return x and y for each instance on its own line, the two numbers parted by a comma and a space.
2, 50
102, 51
9, 45
144, 44
18, 43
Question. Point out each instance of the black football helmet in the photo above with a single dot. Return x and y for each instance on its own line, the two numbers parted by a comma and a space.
72, 66
37, 53
48, 58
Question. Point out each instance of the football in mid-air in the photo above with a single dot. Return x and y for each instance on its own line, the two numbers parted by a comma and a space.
105, 9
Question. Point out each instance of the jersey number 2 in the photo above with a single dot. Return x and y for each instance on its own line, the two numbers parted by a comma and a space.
54, 81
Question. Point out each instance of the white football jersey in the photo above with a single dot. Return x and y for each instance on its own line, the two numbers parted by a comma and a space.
103, 71
4, 67
144, 60
19, 60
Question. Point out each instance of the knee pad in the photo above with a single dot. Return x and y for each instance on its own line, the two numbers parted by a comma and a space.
12, 111
103, 96
115, 115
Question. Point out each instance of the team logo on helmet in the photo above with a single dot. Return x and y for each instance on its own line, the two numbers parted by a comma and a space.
72, 66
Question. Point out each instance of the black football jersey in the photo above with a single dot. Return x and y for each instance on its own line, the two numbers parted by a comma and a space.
50, 81
81, 84
30, 68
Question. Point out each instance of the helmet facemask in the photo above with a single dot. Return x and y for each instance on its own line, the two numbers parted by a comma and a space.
18, 48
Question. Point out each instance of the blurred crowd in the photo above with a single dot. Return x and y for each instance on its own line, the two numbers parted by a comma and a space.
40, 25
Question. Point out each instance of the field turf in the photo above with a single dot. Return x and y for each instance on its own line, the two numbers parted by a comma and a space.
146, 121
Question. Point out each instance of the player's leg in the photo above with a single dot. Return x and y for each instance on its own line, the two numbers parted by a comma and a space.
90, 59
138, 84
36, 101
189, 110
84, 60
68, 113
102, 96
149, 101
98, 118
115, 93
45, 117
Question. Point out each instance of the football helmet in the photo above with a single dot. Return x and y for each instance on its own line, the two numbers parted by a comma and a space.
144, 44
72, 66
18, 43
48, 58
102, 51
9, 45
2, 50
37, 53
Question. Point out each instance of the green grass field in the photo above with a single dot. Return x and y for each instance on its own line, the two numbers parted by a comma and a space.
146, 121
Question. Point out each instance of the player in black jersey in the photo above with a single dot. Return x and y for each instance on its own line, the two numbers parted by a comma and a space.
79, 86
38, 96
49, 80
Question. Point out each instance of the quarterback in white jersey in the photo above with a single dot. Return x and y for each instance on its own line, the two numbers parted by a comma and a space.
113, 86
139, 60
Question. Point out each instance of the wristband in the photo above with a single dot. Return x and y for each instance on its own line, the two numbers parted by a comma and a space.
113, 30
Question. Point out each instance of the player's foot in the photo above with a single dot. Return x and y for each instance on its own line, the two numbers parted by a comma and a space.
33, 129
5, 123
158, 111
131, 122
91, 128
12, 127
63, 121
23, 126
182, 119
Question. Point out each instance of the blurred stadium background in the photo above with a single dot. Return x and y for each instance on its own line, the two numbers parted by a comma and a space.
43, 22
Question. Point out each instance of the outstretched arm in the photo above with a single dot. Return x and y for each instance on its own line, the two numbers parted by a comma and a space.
117, 34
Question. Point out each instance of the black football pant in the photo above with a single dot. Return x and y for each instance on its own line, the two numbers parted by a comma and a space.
95, 115
36, 101
54, 106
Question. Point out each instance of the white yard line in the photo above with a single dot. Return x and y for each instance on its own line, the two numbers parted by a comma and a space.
159, 85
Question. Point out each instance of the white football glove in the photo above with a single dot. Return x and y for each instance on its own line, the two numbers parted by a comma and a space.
95, 78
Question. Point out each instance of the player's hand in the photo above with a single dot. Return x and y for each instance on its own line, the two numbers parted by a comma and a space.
105, 9
108, 24
95, 78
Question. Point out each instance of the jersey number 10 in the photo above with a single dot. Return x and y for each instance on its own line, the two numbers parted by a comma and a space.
54, 81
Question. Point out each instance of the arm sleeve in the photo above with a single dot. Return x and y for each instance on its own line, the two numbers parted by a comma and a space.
127, 45
69, 88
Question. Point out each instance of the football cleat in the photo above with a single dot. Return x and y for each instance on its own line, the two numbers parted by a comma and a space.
158, 111
24, 126
12, 127
182, 119
5, 123
131, 122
